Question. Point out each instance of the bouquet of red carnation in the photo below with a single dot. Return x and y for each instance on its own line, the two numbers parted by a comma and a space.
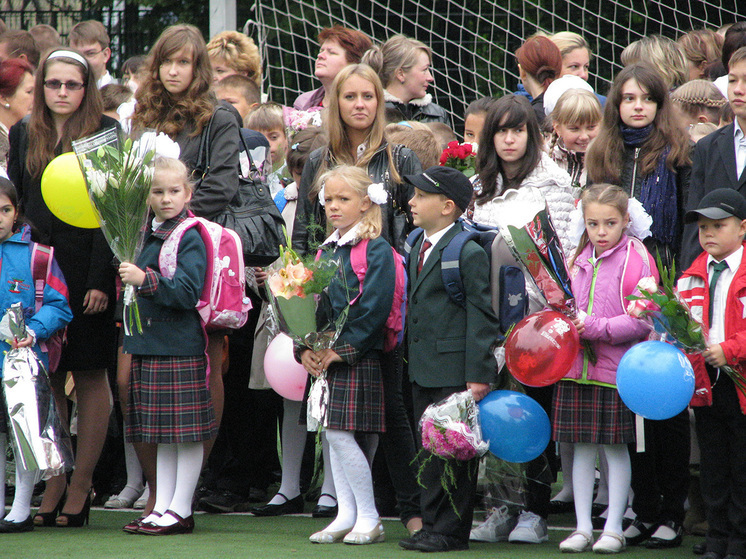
462, 157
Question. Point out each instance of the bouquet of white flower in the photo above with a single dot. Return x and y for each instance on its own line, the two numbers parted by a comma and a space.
118, 172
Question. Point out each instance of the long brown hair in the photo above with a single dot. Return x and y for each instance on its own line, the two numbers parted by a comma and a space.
156, 107
339, 150
605, 155
510, 111
42, 133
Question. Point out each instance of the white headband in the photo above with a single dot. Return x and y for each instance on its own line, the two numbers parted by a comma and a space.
69, 54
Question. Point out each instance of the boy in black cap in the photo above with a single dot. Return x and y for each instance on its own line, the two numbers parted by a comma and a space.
715, 289
449, 345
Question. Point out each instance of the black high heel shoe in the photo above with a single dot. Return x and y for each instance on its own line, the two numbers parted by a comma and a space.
49, 518
79, 519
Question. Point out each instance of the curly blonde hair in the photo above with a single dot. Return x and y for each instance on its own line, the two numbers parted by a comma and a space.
156, 107
239, 52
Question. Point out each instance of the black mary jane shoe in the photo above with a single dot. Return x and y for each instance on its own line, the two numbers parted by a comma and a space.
661, 543
290, 506
7, 527
644, 533
325, 511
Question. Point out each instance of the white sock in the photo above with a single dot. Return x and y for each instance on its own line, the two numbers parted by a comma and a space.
583, 479
565, 494
25, 480
602, 495
188, 466
355, 473
620, 477
328, 492
293, 445
3, 449
165, 480
134, 487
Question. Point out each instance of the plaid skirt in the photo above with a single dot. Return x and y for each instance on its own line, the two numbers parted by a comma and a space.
588, 413
356, 397
169, 401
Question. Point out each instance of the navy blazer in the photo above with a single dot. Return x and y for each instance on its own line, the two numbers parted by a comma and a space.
713, 166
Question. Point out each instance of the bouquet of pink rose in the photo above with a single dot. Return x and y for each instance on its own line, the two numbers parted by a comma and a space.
451, 431
671, 318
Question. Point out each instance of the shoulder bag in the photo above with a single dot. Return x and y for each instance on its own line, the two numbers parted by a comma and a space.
252, 213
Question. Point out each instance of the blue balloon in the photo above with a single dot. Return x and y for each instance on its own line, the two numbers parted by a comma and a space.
515, 425
655, 380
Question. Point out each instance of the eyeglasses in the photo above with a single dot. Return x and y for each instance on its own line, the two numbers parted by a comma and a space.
92, 53
57, 84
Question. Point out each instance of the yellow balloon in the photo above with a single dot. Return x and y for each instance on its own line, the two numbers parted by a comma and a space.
64, 191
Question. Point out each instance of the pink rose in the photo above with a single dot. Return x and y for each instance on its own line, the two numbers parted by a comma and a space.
648, 284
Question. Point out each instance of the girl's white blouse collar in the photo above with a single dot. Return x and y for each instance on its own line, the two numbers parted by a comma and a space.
350, 238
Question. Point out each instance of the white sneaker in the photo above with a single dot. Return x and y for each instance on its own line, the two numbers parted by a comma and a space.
495, 528
531, 528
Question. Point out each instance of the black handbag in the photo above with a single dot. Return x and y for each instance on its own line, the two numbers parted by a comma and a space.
252, 213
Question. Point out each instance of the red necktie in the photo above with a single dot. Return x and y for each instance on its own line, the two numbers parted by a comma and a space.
426, 244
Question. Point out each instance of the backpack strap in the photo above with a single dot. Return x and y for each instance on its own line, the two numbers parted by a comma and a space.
412, 239
170, 247
450, 266
359, 263
41, 264
637, 260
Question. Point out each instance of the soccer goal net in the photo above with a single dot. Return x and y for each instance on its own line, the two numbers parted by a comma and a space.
473, 41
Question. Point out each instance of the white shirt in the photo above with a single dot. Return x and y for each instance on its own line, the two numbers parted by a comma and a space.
739, 141
106, 79
434, 238
717, 329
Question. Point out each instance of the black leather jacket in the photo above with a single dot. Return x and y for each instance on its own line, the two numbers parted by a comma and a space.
397, 218
421, 113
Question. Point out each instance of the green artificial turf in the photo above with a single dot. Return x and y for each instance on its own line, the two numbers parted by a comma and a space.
245, 536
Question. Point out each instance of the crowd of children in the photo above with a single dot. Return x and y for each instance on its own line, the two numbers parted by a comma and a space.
623, 183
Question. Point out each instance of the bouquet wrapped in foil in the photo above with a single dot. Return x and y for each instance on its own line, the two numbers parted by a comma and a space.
40, 442
296, 289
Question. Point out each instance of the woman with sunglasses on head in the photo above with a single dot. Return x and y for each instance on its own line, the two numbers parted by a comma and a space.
67, 106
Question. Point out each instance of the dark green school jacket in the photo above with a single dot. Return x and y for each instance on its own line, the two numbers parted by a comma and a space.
450, 345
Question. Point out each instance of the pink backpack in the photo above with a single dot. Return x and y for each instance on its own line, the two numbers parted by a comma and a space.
223, 303
394, 328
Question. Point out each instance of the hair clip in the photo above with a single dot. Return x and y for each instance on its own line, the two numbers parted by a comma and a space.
294, 146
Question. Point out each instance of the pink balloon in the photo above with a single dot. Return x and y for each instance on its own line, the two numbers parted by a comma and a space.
285, 375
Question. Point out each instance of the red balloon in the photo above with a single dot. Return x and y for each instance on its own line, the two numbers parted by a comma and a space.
541, 348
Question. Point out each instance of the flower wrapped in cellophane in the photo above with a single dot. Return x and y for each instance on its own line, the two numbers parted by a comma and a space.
672, 319
528, 231
296, 289
118, 173
39, 440
451, 430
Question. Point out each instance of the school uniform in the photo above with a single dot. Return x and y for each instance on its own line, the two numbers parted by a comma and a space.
719, 407
448, 346
169, 398
356, 386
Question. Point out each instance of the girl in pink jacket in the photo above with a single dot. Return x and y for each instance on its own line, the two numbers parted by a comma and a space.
588, 412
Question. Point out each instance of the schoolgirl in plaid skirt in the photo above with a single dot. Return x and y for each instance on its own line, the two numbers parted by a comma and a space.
169, 399
588, 411
353, 366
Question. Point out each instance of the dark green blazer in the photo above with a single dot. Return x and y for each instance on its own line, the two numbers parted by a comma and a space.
450, 345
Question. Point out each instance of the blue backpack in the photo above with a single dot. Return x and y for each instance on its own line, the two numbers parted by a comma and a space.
513, 301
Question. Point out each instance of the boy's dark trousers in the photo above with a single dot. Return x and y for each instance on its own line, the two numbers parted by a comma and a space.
721, 431
438, 514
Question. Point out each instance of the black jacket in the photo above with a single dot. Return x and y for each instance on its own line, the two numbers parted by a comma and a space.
397, 218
